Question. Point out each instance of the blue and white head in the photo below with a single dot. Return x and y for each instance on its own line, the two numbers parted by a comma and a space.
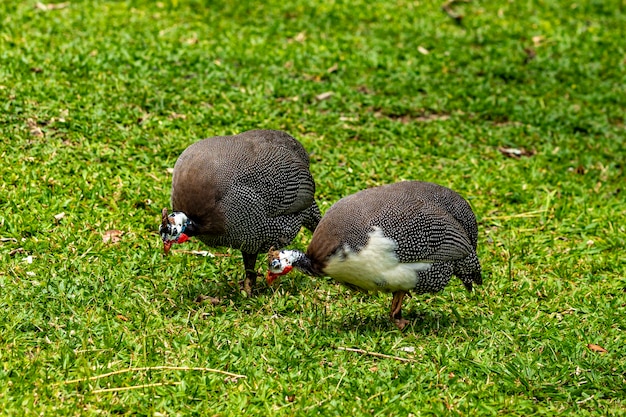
172, 228
280, 262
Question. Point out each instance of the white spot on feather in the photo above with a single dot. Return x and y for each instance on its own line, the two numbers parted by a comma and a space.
375, 267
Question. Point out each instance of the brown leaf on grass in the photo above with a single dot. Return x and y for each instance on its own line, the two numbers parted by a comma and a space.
422, 50
530, 55
112, 236
59, 216
51, 6
597, 348
448, 8
121, 317
213, 300
34, 128
16, 251
516, 153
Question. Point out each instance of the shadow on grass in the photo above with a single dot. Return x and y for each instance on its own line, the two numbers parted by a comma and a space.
423, 322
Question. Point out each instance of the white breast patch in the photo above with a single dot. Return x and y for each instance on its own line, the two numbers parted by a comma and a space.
375, 267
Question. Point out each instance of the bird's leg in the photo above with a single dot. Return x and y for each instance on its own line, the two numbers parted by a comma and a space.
249, 261
396, 309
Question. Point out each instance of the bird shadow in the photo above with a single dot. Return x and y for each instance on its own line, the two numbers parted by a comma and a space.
419, 321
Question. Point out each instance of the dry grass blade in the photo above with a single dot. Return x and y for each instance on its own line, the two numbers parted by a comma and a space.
154, 368
378, 355
157, 384
535, 213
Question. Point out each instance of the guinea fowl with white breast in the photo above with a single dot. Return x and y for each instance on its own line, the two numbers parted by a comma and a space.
398, 238
249, 191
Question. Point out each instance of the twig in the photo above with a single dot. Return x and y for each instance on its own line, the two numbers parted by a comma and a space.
158, 384
378, 355
153, 368
585, 400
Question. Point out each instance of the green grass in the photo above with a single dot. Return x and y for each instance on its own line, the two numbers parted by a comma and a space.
97, 100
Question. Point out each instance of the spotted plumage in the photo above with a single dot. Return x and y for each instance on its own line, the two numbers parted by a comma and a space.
408, 236
250, 192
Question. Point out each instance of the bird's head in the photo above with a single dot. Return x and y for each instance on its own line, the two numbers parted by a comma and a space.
172, 228
280, 263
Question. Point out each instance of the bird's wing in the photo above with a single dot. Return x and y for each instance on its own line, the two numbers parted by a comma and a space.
282, 182
424, 233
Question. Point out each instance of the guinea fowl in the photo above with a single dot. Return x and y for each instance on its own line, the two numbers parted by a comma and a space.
408, 236
249, 191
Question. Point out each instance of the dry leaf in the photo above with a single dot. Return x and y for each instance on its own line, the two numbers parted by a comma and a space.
170, 170
597, 348
59, 216
120, 317
537, 40
174, 116
213, 300
332, 69
300, 37
515, 152
33, 128
51, 6
422, 50
374, 368
530, 55
16, 251
112, 236
324, 96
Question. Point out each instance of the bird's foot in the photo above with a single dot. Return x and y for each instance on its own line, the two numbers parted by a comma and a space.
248, 284
396, 309
400, 322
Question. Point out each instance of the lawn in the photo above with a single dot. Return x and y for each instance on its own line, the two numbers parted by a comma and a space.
520, 106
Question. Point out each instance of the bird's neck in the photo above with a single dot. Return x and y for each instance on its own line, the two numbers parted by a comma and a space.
301, 261
190, 227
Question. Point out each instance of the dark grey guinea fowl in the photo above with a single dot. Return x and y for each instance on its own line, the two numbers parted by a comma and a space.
408, 236
250, 192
